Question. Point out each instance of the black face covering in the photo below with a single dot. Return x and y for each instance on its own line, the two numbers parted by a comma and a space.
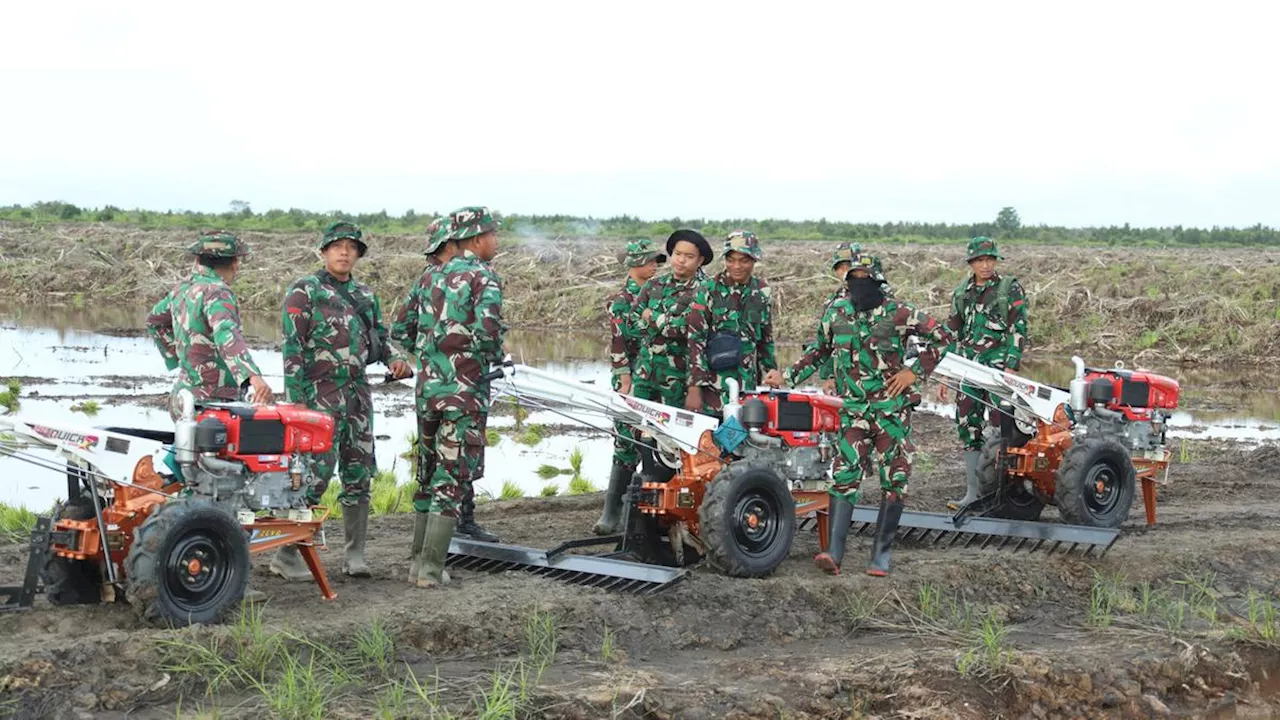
865, 292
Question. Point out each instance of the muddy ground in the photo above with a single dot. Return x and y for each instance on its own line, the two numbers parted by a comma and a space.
1168, 623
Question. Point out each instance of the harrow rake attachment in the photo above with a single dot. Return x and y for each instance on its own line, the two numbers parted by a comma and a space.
598, 571
930, 529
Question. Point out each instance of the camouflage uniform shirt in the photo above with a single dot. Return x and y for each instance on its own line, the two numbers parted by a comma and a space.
465, 337
197, 329
412, 325
984, 334
720, 305
867, 348
663, 361
325, 345
624, 338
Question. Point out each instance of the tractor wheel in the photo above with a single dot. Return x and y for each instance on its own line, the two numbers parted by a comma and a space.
747, 518
1017, 503
189, 563
67, 581
1095, 483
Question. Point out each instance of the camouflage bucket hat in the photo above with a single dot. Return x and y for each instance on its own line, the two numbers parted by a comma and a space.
471, 221
982, 247
343, 230
860, 261
845, 252
743, 241
218, 243
438, 234
640, 252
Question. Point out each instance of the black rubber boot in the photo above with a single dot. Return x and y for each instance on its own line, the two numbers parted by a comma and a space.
886, 528
839, 517
611, 516
467, 519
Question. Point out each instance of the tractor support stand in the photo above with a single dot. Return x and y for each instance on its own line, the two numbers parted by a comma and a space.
21, 597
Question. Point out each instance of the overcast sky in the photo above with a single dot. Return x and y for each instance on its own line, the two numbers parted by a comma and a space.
1090, 113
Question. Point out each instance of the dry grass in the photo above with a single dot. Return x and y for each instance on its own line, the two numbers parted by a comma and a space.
1140, 304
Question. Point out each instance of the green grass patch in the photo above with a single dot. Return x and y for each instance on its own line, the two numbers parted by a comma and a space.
88, 407
550, 490
9, 396
531, 435
16, 523
510, 491
579, 485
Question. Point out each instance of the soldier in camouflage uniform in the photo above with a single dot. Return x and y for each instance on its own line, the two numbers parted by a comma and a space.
456, 350
332, 328
737, 306
196, 327
661, 313
642, 260
864, 337
989, 319
841, 260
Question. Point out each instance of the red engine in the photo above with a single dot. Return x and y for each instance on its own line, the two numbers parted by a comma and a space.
1134, 393
263, 436
795, 417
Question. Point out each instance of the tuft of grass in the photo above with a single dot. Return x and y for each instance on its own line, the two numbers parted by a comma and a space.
16, 523
375, 648
531, 435
301, 690
1262, 614
546, 472
988, 654
608, 649
508, 696
510, 491
88, 407
575, 460
9, 397
579, 485
540, 634
492, 437
861, 608
387, 495
550, 490
1107, 595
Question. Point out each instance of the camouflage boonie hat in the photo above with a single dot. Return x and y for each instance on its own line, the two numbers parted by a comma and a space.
640, 252
471, 221
982, 247
743, 241
343, 230
218, 243
845, 252
862, 261
438, 234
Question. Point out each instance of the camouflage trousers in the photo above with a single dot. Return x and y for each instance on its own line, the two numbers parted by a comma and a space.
973, 412
879, 436
352, 454
625, 451
663, 383
714, 399
450, 460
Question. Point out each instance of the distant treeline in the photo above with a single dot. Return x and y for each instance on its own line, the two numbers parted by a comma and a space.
1007, 226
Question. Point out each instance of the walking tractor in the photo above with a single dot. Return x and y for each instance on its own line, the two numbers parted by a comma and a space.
732, 491
167, 520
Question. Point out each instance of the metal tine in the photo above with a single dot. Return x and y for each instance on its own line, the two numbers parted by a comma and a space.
987, 540
937, 538
1054, 549
907, 535
969, 542
1004, 542
1018, 547
1036, 546
955, 538
1073, 548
